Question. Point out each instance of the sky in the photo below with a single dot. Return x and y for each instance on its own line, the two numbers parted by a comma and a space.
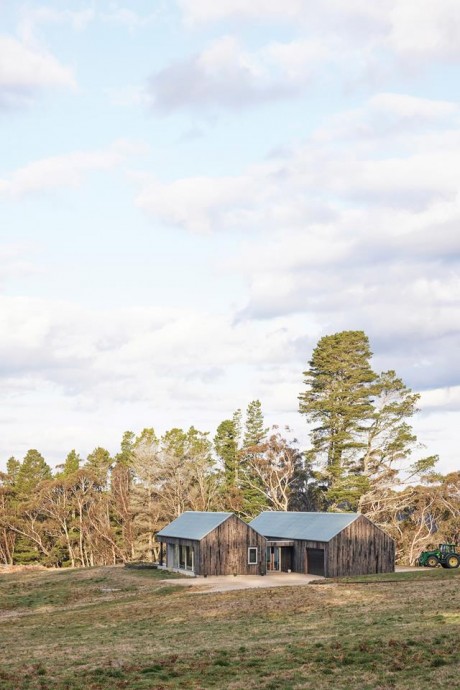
193, 192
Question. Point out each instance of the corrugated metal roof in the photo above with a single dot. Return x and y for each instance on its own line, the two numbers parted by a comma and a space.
193, 525
308, 526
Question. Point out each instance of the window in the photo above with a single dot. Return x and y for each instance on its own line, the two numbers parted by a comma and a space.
252, 555
189, 559
184, 557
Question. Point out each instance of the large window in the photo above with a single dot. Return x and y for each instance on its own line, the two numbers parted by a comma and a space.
252, 555
184, 557
189, 558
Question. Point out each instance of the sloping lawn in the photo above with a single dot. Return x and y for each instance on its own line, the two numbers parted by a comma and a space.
104, 628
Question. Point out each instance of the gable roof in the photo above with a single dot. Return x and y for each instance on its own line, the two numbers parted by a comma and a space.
193, 525
307, 526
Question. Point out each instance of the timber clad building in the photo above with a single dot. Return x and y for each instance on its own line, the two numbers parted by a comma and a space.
327, 544
212, 544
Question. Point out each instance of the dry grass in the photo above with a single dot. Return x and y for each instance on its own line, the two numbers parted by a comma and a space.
115, 628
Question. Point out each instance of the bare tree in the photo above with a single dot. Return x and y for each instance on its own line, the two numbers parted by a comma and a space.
7, 536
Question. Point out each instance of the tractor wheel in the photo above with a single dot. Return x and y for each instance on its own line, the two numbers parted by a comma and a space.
432, 562
452, 561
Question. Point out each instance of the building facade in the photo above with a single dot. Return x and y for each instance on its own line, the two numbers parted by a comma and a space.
200, 543
327, 544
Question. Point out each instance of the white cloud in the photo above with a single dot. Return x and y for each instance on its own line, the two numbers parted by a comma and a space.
25, 69
224, 74
14, 262
356, 42
425, 29
64, 171
203, 11
205, 203
330, 13
128, 96
298, 59
33, 18
413, 108
345, 24
348, 166
413, 30
173, 361
352, 229
124, 16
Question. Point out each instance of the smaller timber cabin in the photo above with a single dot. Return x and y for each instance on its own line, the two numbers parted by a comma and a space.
327, 544
199, 543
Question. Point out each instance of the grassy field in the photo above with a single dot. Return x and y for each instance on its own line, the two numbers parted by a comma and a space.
116, 628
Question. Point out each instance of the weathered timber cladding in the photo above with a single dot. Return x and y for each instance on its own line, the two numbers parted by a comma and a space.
300, 561
286, 558
361, 548
224, 551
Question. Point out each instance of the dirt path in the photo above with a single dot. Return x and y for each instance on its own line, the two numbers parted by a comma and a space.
228, 583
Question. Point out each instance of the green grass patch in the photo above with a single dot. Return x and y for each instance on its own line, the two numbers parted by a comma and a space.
110, 628
408, 576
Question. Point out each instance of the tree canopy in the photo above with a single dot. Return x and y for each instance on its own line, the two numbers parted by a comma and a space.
363, 455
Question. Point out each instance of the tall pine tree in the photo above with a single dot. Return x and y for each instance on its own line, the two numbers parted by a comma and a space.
360, 434
33, 470
339, 399
255, 431
70, 466
226, 447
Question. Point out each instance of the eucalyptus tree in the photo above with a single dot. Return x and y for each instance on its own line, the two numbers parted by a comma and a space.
7, 536
274, 468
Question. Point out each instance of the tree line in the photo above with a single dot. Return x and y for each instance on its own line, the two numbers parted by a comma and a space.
363, 455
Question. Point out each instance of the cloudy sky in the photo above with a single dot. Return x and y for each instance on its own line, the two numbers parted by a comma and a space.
193, 192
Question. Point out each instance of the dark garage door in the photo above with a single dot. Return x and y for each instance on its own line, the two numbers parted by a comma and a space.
315, 561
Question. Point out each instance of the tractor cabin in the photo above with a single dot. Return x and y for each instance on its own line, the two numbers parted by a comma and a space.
327, 544
200, 543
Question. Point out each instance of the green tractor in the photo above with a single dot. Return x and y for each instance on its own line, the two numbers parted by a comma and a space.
446, 555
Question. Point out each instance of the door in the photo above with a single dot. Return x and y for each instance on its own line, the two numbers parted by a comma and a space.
315, 561
273, 558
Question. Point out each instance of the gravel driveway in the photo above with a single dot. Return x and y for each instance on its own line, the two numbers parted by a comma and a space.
227, 583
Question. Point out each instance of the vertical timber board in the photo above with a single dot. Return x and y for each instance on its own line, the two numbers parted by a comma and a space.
300, 560
224, 551
362, 548
286, 554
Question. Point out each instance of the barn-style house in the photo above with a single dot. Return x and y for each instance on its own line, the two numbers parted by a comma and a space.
202, 543
327, 544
